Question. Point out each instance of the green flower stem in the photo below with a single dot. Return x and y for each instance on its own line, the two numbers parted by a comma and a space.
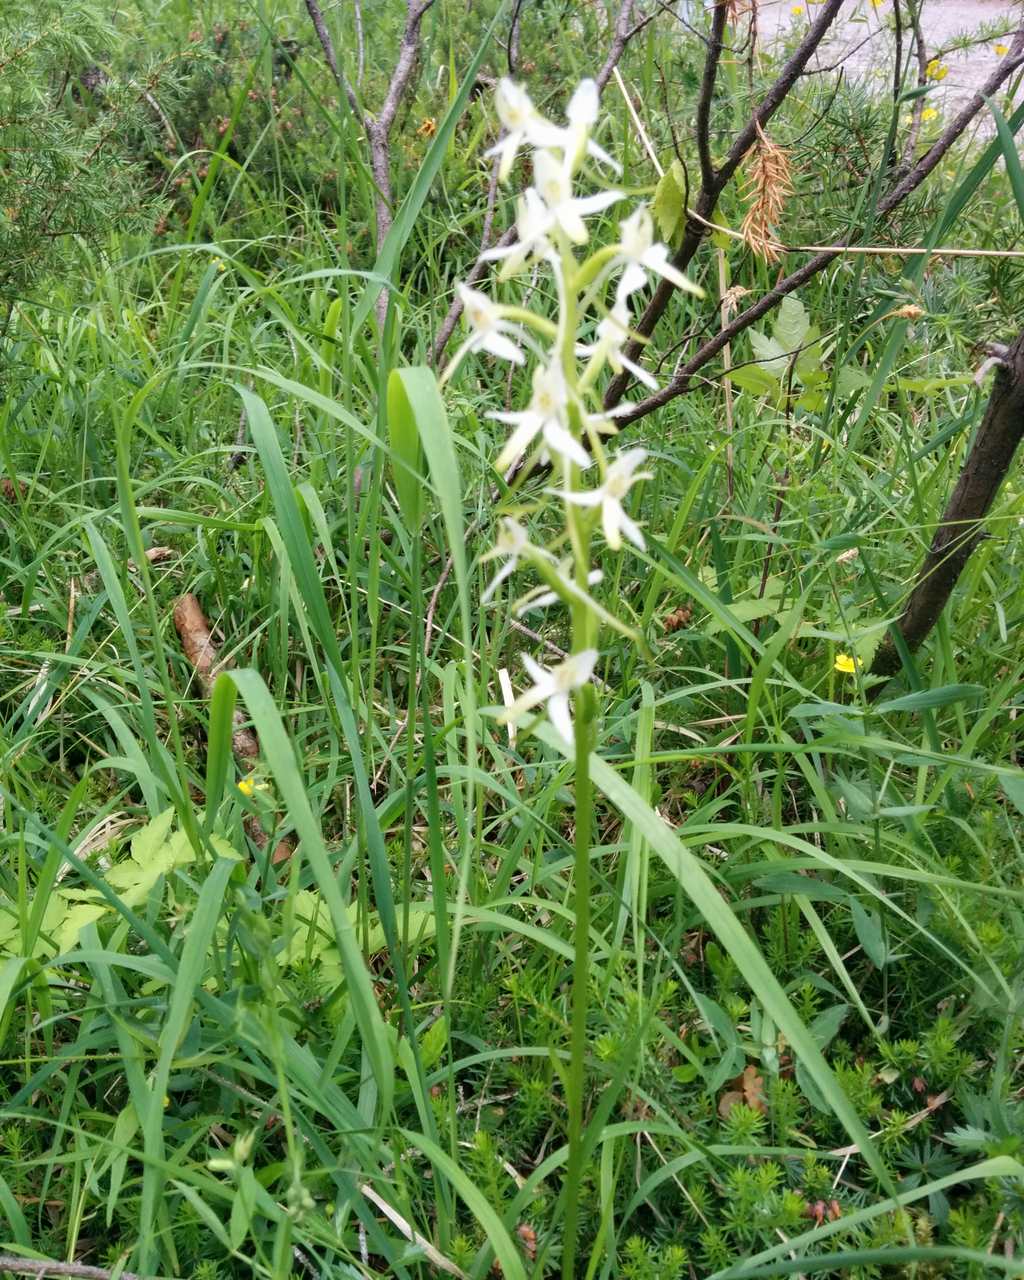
522, 315
585, 627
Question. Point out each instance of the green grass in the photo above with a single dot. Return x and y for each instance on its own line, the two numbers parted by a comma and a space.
213, 1066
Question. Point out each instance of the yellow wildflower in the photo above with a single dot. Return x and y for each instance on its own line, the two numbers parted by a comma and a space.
936, 70
247, 786
846, 664
929, 113
428, 128
1002, 50
796, 10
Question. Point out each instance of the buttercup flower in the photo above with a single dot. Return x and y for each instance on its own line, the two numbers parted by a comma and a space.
641, 254
489, 328
554, 185
553, 687
513, 543
929, 113
845, 664
936, 70
545, 416
620, 478
522, 123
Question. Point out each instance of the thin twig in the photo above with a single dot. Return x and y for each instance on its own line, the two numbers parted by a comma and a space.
709, 194
45, 1267
788, 284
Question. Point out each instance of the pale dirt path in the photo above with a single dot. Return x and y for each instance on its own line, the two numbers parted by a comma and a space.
864, 34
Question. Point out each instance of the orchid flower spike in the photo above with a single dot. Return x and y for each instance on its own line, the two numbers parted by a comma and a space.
619, 479
553, 687
546, 415
554, 184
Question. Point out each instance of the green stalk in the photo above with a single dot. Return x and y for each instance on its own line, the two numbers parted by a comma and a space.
584, 708
584, 636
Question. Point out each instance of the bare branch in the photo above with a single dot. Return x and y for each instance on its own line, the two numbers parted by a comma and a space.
708, 196
327, 45
622, 36
681, 382
707, 93
960, 530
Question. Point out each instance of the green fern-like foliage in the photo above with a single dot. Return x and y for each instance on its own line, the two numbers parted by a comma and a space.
64, 122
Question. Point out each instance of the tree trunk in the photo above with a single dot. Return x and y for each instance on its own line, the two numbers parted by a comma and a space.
960, 529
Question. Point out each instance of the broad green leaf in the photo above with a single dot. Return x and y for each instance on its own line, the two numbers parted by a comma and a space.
406, 453
927, 698
792, 326
669, 204
868, 927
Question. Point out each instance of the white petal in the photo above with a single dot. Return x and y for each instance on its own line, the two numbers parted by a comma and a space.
583, 664
498, 579
656, 259
582, 497
600, 154
611, 513
504, 348
558, 712
595, 203
632, 531
561, 442
520, 439
584, 104
629, 459
633, 278
640, 374
571, 222
538, 674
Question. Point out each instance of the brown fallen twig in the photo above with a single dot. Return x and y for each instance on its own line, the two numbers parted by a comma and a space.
200, 649
46, 1267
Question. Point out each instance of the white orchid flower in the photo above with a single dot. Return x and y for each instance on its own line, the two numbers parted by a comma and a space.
545, 416
513, 543
523, 124
637, 248
582, 113
619, 479
553, 179
534, 224
540, 599
612, 335
553, 687
489, 330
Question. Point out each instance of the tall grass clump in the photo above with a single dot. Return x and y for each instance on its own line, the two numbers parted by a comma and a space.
449, 827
